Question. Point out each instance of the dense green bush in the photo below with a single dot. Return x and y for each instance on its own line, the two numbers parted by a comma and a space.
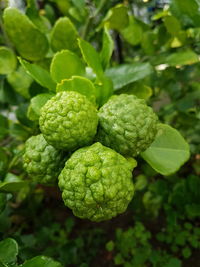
99, 48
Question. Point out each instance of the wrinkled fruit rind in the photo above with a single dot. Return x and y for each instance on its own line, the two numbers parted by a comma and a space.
42, 161
127, 124
68, 121
96, 183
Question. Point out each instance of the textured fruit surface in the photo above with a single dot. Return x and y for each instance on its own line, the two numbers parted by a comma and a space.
127, 124
68, 120
42, 161
96, 182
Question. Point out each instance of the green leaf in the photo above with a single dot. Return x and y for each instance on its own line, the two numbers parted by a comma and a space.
173, 262
3, 201
66, 64
137, 88
172, 25
30, 43
8, 61
133, 32
21, 114
110, 246
107, 49
12, 183
168, 152
7, 94
41, 261
20, 82
3, 127
64, 35
37, 102
91, 57
182, 58
148, 42
117, 17
39, 74
186, 252
41, 22
3, 162
8, 251
187, 11
104, 89
128, 73
78, 84
18, 131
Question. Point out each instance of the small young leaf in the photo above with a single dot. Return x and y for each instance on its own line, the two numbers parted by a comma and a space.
91, 57
8, 251
117, 17
37, 102
41, 261
128, 73
64, 35
8, 61
41, 22
39, 74
12, 183
66, 64
30, 43
168, 152
107, 49
78, 84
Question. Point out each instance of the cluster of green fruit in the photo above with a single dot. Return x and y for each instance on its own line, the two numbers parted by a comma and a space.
90, 151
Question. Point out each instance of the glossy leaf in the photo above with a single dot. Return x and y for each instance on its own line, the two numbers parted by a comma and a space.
66, 64
182, 58
91, 57
41, 261
168, 152
30, 43
39, 74
104, 89
8, 61
128, 73
78, 84
137, 88
8, 251
12, 183
117, 17
107, 49
64, 35
37, 102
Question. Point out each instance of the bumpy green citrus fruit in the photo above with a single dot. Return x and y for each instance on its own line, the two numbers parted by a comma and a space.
68, 120
42, 161
96, 182
127, 124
